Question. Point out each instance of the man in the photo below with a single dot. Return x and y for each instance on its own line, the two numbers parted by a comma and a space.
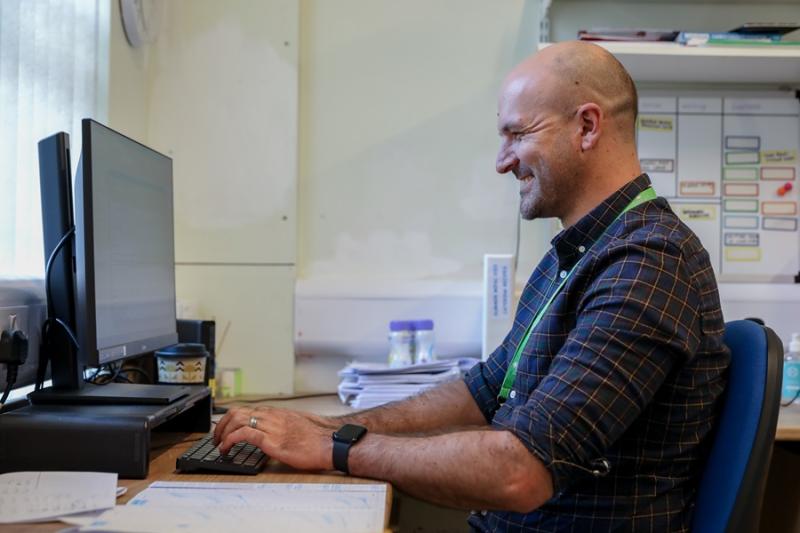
596, 418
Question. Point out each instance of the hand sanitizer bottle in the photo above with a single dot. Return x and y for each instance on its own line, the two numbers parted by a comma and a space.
791, 371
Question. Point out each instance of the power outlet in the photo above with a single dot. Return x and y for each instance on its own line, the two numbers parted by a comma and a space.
18, 316
29, 320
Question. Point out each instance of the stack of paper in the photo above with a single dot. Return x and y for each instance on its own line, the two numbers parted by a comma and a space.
367, 385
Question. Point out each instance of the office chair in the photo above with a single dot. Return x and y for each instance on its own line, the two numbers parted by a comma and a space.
734, 477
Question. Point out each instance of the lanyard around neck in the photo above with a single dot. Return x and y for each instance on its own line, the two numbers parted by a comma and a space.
511, 372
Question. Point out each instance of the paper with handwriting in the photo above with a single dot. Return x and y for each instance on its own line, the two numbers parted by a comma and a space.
42, 496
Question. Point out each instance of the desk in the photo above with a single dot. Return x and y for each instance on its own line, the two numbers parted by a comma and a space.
162, 468
781, 511
789, 423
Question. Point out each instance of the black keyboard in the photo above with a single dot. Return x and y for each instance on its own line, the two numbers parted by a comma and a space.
243, 458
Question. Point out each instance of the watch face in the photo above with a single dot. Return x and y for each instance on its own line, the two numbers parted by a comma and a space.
349, 433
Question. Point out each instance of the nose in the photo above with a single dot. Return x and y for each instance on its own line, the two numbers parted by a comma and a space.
506, 159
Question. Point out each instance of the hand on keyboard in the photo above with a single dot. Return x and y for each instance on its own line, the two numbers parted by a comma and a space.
243, 458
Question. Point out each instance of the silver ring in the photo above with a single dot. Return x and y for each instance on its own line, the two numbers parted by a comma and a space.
253, 422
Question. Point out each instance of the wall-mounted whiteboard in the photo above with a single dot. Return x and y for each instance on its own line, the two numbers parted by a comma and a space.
728, 166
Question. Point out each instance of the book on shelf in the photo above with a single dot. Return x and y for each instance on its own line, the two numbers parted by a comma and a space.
731, 38
771, 28
627, 34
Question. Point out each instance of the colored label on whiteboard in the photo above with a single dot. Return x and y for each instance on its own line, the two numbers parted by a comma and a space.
654, 123
697, 212
742, 253
778, 156
657, 165
697, 188
741, 239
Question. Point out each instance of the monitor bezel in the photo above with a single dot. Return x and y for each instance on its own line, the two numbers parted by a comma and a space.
86, 310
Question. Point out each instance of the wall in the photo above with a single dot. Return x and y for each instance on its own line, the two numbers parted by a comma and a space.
398, 136
398, 196
222, 101
395, 198
126, 72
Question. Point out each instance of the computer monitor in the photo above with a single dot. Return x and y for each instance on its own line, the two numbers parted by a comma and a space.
124, 248
124, 266
58, 222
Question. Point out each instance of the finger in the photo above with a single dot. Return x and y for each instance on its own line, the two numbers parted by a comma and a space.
228, 423
220, 427
244, 433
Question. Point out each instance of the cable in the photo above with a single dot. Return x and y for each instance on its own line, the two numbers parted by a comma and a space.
45, 352
13, 353
790, 402
11, 378
516, 244
96, 373
139, 371
64, 327
105, 379
49, 265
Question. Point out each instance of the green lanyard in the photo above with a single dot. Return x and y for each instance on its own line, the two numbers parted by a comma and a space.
511, 373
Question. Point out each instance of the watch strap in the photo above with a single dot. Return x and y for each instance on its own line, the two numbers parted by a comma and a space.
341, 450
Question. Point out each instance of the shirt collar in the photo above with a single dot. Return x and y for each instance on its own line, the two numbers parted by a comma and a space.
574, 241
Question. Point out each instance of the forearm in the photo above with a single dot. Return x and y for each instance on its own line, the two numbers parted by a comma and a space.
449, 405
476, 469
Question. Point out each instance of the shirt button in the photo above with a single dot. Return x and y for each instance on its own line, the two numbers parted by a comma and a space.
512, 394
581, 248
563, 274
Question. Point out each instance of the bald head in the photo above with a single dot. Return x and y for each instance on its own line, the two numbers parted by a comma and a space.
565, 75
566, 118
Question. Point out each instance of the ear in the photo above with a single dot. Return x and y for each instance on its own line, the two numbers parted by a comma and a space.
591, 118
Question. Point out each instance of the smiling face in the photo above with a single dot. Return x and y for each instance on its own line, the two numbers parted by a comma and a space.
540, 145
566, 119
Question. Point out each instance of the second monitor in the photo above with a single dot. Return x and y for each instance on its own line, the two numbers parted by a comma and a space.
124, 257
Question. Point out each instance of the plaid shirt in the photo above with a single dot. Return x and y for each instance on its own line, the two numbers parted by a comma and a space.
617, 387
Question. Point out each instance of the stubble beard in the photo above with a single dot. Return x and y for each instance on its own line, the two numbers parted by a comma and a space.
551, 191
538, 201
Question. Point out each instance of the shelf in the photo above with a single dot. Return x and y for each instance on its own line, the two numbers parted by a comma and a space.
675, 63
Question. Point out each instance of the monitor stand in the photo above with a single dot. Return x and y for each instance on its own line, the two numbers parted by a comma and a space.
111, 394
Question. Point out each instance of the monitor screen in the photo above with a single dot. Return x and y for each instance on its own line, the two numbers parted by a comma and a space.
125, 254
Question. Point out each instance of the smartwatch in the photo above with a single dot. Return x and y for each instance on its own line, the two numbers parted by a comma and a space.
343, 439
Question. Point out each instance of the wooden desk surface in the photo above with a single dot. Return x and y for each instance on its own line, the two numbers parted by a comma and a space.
162, 468
789, 423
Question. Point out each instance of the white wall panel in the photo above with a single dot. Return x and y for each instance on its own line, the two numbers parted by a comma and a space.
255, 304
398, 136
223, 103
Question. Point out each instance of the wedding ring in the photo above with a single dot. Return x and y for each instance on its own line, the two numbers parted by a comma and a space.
253, 422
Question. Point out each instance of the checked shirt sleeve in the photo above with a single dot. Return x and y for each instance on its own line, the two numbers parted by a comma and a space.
638, 315
485, 379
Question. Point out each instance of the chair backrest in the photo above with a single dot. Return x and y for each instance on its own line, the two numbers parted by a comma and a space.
732, 483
